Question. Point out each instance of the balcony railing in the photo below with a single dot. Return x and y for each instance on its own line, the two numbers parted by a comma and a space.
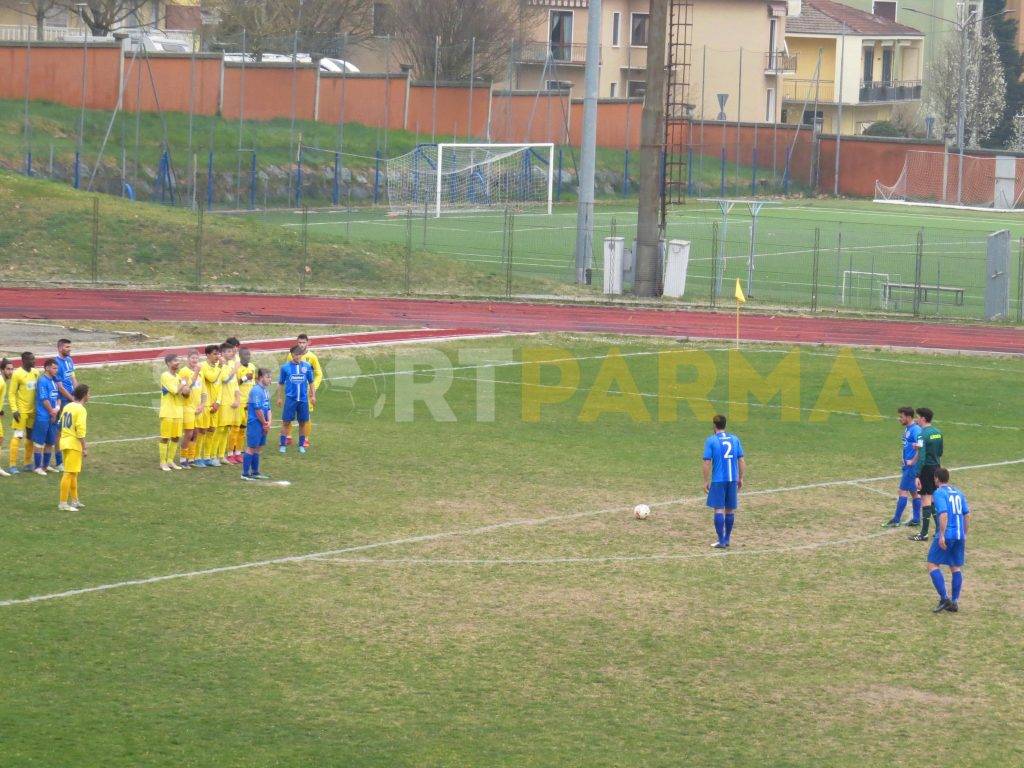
56, 34
896, 90
539, 51
821, 91
777, 62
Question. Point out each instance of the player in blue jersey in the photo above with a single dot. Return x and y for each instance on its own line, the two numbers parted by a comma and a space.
46, 427
298, 395
948, 546
910, 468
724, 468
66, 383
257, 426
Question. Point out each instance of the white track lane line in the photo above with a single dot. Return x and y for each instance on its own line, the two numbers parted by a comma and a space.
438, 536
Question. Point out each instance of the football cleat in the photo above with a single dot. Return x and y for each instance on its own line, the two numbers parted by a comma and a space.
282, 449
40, 471
890, 523
719, 545
913, 523
943, 605
918, 537
76, 504
62, 507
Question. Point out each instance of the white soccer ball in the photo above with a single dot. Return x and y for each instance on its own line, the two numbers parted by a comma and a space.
641, 511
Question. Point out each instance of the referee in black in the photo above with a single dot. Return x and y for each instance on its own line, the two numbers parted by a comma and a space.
932, 460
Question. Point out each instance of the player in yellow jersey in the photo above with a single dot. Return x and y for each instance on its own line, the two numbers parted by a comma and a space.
72, 445
21, 397
173, 392
302, 340
230, 403
246, 381
192, 406
206, 421
6, 369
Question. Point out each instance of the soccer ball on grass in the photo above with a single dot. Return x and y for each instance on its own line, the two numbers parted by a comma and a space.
641, 511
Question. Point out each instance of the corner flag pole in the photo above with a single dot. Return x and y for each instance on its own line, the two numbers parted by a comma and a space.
740, 300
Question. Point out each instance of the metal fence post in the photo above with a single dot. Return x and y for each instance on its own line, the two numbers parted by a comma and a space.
376, 177
95, 239
919, 258
252, 181
1020, 283
408, 250
625, 174
510, 227
714, 263
199, 244
815, 269
305, 250
336, 188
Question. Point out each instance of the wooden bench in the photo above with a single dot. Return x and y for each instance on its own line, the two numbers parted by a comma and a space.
927, 293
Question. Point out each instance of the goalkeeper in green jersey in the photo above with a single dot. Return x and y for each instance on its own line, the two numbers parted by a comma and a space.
930, 461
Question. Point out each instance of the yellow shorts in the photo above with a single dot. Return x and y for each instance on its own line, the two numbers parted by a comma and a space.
188, 418
227, 416
72, 460
203, 418
170, 429
1, 428
25, 423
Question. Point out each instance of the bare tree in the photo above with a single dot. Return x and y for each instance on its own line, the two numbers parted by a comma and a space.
40, 10
985, 97
323, 26
459, 30
104, 16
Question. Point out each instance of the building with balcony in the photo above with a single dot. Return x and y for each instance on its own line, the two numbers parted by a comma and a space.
738, 49
853, 67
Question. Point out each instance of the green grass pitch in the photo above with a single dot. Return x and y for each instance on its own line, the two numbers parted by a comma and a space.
860, 246
490, 599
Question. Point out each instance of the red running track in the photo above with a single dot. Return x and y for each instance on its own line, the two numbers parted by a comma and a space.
90, 304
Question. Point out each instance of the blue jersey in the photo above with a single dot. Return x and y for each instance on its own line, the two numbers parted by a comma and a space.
46, 390
724, 451
65, 374
296, 378
912, 441
259, 400
952, 501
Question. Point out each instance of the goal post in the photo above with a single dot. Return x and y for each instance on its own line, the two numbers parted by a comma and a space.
449, 177
946, 179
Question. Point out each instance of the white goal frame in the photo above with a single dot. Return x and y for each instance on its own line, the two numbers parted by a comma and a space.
484, 145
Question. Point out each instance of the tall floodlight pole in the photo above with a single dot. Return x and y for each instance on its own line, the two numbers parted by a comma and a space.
961, 117
588, 149
652, 134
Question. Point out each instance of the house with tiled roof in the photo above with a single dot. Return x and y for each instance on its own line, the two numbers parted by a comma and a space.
853, 67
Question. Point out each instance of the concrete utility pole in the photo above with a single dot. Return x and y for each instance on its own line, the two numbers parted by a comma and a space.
652, 137
588, 149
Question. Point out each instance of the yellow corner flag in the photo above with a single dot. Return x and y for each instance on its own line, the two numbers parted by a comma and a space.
739, 292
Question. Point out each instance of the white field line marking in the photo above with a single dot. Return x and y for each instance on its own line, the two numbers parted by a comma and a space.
646, 353
515, 523
597, 559
351, 345
874, 490
917, 215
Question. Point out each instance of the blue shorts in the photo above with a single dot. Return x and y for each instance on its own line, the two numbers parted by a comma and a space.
953, 554
294, 409
723, 495
908, 480
255, 437
45, 432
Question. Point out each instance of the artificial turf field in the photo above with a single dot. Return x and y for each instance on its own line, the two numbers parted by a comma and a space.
485, 597
860, 246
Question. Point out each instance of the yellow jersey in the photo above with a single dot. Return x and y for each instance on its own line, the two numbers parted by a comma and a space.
21, 395
171, 402
314, 363
228, 384
210, 376
195, 392
246, 381
3, 388
72, 427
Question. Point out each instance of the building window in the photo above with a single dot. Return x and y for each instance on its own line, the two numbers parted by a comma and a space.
884, 8
637, 89
887, 65
382, 22
769, 105
773, 32
638, 29
810, 115
558, 85
560, 35
869, 65
612, 92
616, 21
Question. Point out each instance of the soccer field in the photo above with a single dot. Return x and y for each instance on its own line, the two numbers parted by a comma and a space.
860, 246
470, 592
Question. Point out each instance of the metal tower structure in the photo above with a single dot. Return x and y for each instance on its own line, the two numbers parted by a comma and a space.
678, 107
